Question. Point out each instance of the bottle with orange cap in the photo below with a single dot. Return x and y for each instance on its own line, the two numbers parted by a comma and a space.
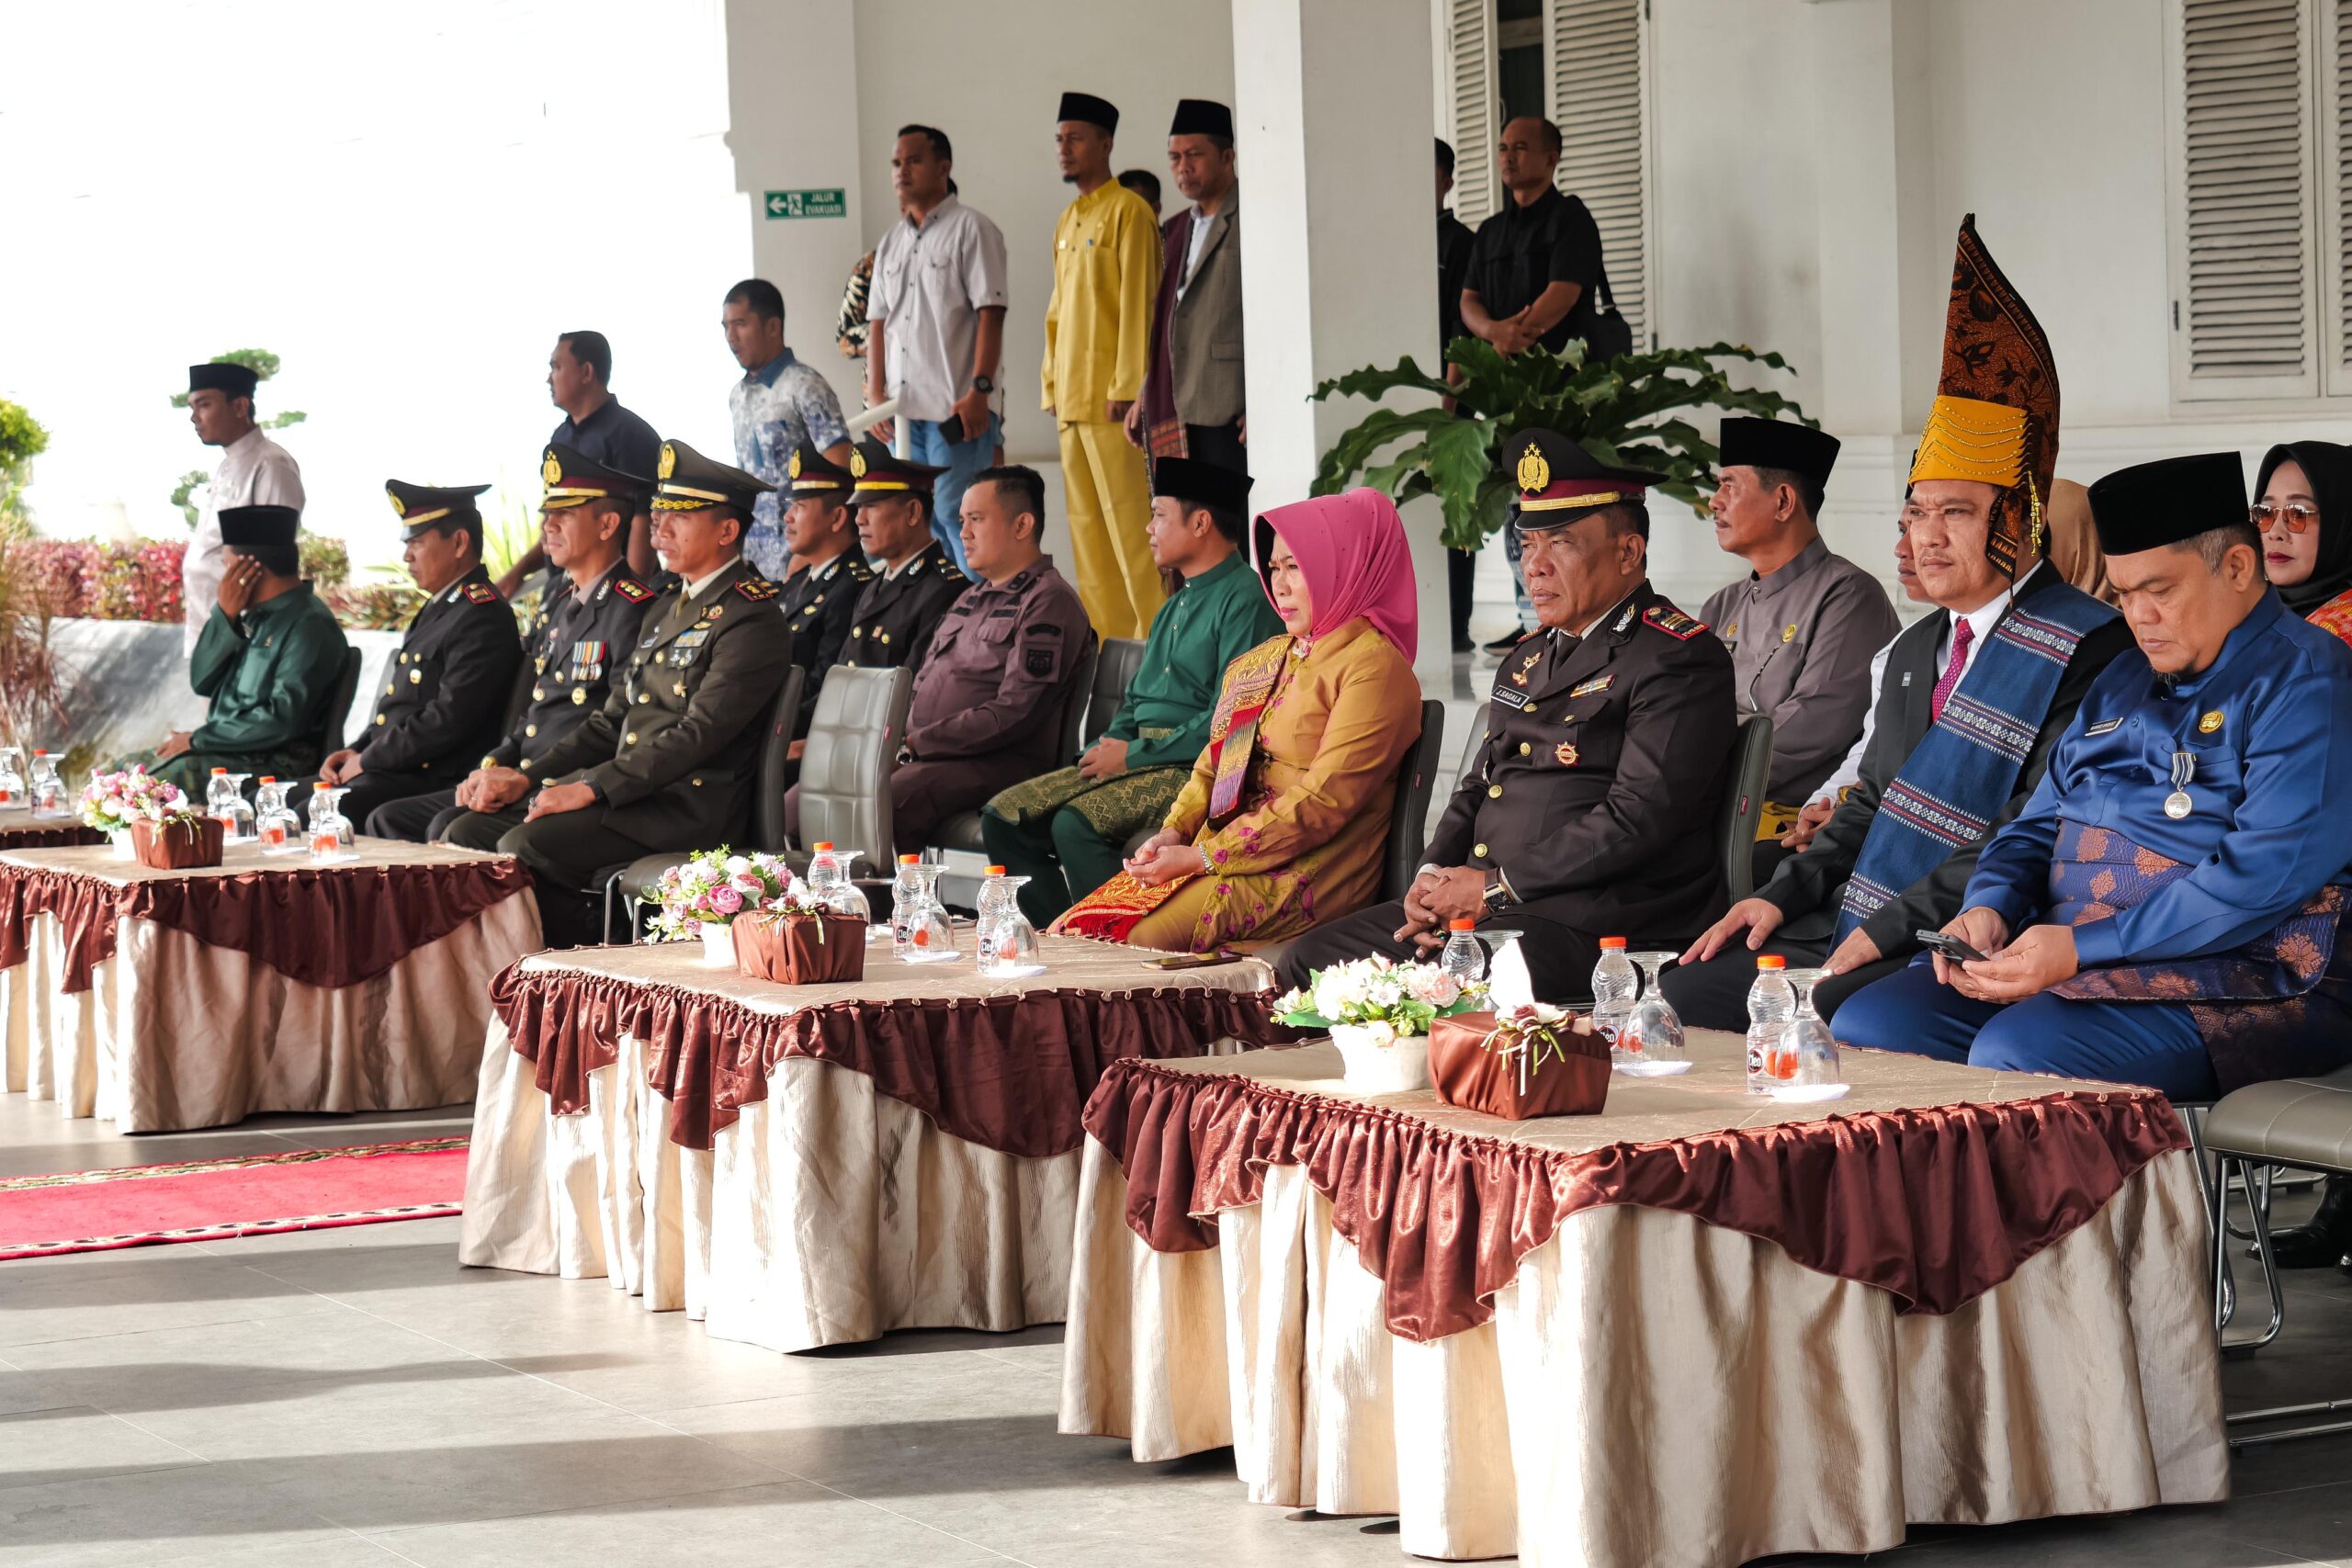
1770, 1003
906, 899
1614, 986
1463, 957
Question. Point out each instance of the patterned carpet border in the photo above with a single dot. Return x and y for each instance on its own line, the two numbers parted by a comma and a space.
197, 1167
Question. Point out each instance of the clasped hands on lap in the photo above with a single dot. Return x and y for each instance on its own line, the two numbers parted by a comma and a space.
1165, 856
1440, 893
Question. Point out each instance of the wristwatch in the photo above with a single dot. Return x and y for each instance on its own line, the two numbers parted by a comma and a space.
984, 383
1496, 895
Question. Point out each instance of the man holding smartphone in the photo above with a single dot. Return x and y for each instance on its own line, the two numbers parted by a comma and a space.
936, 326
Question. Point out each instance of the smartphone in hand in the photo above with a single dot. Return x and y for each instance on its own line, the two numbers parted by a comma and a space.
1948, 947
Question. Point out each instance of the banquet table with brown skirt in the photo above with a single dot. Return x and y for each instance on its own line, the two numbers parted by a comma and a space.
1696, 1328
799, 1165
169, 999
1304, 845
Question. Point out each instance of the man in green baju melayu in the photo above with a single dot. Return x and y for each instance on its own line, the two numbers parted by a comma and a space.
269, 657
1068, 831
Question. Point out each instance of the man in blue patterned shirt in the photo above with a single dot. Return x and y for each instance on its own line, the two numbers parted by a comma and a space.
779, 403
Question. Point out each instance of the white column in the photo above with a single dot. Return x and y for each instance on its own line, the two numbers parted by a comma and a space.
1332, 109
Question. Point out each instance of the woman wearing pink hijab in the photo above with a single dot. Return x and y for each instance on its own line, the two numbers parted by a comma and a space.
1283, 822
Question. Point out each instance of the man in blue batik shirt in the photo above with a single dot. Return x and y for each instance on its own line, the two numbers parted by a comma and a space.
778, 404
2167, 910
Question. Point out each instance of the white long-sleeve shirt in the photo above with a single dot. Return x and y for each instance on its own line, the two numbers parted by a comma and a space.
254, 471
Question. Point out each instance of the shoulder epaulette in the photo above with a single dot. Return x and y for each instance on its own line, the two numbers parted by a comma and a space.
1672, 621
631, 589
482, 593
758, 590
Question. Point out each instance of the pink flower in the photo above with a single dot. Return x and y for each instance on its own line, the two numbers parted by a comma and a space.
1432, 986
726, 900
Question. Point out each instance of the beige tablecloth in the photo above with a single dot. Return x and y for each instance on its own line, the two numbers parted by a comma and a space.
1655, 1391
824, 1212
174, 1032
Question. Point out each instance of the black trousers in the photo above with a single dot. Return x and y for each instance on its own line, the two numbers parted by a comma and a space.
1560, 958
363, 795
476, 830
1218, 444
410, 819
1713, 994
564, 854
1461, 585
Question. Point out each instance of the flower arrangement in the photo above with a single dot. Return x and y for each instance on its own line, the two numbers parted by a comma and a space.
112, 802
713, 888
1388, 1001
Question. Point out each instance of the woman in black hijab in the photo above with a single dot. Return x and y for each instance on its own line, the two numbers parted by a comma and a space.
2304, 510
2305, 515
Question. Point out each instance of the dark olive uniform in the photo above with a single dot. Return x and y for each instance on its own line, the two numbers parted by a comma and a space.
1592, 808
446, 690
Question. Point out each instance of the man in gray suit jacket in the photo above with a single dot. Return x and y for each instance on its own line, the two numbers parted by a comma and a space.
1192, 403
1796, 914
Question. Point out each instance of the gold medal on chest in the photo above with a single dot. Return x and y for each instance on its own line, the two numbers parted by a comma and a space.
1566, 753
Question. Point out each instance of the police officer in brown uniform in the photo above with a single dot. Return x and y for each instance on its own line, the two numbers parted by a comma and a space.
585, 628
666, 763
1591, 809
445, 690
830, 572
914, 578
1001, 667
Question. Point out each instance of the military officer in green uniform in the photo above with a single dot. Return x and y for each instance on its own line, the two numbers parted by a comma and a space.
269, 657
445, 694
586, 625
666, 763
829, 572
1591, 809
1068, 831
914, 579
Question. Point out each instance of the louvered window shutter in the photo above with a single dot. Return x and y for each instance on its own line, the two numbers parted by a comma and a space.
2335, 73
1596, 102
2247, 233
1472, 34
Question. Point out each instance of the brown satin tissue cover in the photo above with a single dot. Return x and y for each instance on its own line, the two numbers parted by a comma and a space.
178, 845
1464, 1073
786, 949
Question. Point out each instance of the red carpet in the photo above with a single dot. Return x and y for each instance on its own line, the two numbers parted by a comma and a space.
92, 1211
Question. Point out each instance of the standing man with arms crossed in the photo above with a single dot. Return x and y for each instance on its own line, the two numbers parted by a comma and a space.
1193, 404
254, 471
937, 326
1097, 343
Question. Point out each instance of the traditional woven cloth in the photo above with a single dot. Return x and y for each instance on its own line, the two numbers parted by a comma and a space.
1233, 728
1965, 768
1116, 807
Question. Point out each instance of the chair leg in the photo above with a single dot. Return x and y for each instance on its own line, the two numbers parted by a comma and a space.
2209, 1182
2259, 1218
612, 893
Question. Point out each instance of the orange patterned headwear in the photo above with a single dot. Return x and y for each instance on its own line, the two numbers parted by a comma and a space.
1995, 414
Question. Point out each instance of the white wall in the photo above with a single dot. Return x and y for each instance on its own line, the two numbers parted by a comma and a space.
405, 203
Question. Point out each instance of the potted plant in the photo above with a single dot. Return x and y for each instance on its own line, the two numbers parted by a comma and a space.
1379, 1014
177, 837
1532, 1060
702, 896
1623, 410
797, 939
112, 802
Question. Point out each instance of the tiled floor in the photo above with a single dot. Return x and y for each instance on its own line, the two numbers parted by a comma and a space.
353, 1397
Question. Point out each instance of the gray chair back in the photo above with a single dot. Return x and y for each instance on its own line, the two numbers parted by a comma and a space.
1415, 777
1072, 722
772, 765
853, 740
1751, 768
1118, 659
339, 701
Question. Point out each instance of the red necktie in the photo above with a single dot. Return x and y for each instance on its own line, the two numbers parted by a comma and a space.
1961, 634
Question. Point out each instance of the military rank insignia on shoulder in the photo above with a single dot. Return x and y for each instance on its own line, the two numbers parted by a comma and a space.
1672, 621
758, 590
482, 593
631, 589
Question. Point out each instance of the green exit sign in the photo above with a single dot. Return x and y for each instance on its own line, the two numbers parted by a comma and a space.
806, 204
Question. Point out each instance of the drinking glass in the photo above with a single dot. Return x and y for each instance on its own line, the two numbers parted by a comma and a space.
1806, 1062
48, 789
331, 839
279, 831
236, 817
1009, 948
1652, 1040
931, 935
12, 774
845, 897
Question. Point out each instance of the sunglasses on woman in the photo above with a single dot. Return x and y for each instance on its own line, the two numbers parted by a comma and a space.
2299, 516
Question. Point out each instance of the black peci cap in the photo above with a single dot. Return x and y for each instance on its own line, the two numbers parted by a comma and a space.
253, 528
1085, 107
2168, 501
1202, 117
1777, 443
1202, 484
219, 376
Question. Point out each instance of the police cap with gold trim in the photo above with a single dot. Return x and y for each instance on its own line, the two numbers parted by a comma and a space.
434, 507
1559, 481
878, 474
813, 473
573, 478
688, 481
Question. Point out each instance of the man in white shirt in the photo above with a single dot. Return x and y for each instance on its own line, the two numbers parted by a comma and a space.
937, 326
254, 471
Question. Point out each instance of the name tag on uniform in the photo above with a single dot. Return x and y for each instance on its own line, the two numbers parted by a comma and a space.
1510, 698
2104, 726
1597, 684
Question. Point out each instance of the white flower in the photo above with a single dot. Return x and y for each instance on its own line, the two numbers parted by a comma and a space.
736, 865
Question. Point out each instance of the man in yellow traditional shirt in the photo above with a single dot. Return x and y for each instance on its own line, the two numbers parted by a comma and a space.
1097, 346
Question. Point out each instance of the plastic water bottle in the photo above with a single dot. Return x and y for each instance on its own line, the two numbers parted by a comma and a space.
1614, 986
1465, 957
824, 869
1771, 1001
905, 898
